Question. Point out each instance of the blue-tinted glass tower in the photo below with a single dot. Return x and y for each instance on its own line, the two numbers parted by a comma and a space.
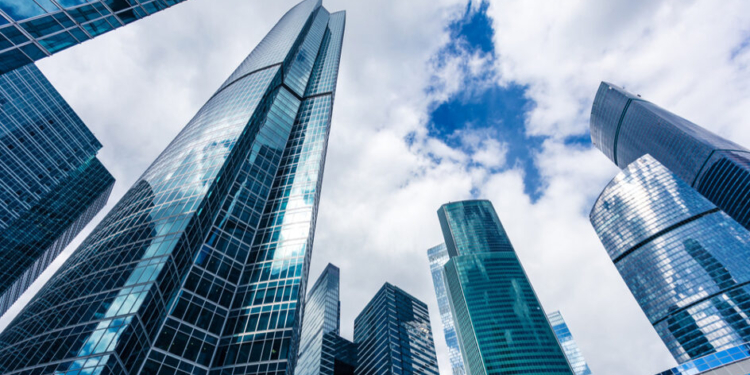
51, 183
568, 344
34, 29
500, 323
438, 256
393, 335
625, 127
686, 262
201, 267
322, 312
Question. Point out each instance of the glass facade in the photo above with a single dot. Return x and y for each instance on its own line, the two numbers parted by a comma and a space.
500, 323
34, 29
732, 361
438, 256
686, 262
321, 316
202, 265
51, 183
338, 355
393, 335
625, 127
568, 344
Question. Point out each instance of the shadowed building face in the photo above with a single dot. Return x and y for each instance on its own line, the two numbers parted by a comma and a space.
393, 335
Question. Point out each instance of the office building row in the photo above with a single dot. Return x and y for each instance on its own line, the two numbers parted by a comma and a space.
674, 222
392, 334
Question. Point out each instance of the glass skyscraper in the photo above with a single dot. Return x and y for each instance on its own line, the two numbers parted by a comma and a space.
625, 127
500, 323
686, 262
393, 335
438, 256
51, 183
34, 29
202, 265
322, 350
322, 315
568, 344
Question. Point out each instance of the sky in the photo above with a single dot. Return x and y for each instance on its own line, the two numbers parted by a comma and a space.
438, 101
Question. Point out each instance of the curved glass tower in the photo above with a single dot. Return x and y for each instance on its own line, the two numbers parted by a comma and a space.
202, 265
500, 323
686, 262
625, 127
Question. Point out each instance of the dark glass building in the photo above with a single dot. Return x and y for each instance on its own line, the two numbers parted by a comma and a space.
438, 256
338, 355
625, 127
202, 266
322, 315
568, 344
500, 323
34, 29
393, 335
51, 183
686, 262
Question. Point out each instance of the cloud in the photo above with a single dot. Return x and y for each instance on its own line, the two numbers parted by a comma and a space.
490, 154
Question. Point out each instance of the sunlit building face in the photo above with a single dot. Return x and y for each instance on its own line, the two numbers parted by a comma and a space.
686, 262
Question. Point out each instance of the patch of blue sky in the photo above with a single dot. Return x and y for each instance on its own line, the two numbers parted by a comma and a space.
475, 27
482, 108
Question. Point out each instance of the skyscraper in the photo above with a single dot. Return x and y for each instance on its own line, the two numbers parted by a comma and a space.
202, 265
625, 127
686, 262
438, 256
568, 344
393, 335
500, 323
33, 29
51, 183
322, 315
322, 350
